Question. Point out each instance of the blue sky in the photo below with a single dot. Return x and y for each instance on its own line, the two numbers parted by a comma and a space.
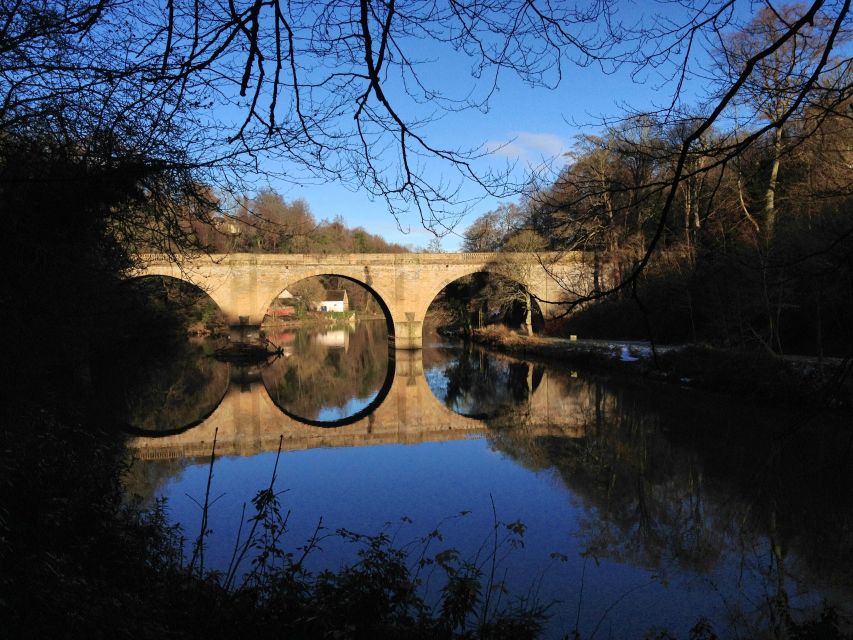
524, 126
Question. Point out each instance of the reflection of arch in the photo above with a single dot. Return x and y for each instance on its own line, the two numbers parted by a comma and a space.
204, 397
389, 321
503, 396
145, 433
358, 415
248, 423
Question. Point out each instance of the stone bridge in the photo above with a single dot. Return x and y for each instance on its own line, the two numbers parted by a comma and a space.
248, 422
244, 285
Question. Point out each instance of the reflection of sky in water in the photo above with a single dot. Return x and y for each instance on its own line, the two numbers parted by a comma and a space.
437, 381
353, 406
361, 488
490, 392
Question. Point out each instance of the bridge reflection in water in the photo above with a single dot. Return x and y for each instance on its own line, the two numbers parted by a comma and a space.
681, 500
247, 421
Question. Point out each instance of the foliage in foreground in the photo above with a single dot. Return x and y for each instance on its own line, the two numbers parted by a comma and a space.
77, 561
382, 594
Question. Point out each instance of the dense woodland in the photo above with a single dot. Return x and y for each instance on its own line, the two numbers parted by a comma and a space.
754, 250
267, 223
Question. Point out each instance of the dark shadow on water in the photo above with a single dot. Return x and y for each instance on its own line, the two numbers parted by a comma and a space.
167, 394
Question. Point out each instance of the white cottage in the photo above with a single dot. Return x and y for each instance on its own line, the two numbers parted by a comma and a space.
334, 300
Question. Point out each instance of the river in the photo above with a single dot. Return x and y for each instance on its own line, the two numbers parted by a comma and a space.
642, 506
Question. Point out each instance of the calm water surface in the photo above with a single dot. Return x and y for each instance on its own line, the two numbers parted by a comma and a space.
644, 506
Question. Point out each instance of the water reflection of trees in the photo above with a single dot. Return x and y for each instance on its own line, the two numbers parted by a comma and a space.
315, 376
481, 384
704, 485
165, 392
144, 479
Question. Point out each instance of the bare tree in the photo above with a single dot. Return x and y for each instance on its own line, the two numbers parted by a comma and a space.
343, 90
512, 287
772, 93
490, 231
335, 90
808, 39
310, 292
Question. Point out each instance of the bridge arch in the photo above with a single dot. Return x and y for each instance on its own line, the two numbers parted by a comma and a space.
244, 284
386, 311
189, 287
449, 280
163, 392
213, 285
534, 287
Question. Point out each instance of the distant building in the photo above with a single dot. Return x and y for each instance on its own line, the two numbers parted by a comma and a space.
334, 300
282, 312
284, 306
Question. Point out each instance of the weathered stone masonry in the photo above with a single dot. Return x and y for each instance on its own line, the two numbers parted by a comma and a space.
244, 285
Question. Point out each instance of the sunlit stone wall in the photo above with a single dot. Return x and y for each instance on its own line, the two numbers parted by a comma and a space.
244, 285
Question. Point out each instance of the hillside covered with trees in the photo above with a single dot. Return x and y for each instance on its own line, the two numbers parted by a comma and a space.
754, 246
267, 223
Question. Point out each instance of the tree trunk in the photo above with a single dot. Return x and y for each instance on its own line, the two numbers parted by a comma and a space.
596, 271
819, 336
770, 195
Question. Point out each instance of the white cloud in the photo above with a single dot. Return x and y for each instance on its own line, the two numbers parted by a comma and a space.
526, 145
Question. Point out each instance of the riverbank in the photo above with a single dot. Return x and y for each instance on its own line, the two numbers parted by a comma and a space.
312, 321
755, 375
